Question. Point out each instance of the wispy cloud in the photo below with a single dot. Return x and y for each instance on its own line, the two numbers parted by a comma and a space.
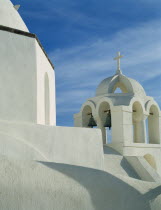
141, 45
79, 69
62, 10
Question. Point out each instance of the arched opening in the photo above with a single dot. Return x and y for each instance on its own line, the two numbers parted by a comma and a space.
138, 123
105, 122
150, 159
153, 125
87, 116
47, 100
119, 88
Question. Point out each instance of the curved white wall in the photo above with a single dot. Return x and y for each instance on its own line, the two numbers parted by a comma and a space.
41, 185
76, 146
10, 17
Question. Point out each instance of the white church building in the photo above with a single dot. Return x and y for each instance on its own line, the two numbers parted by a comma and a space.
110, 160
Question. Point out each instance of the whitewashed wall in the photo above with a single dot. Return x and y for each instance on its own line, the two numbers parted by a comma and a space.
44, 69
17, 77
22, 73
75, 146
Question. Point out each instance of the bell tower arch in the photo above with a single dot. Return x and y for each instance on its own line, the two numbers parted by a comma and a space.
124, 113
86, 115
104, 118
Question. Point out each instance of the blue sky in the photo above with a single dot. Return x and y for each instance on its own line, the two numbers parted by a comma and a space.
82, 37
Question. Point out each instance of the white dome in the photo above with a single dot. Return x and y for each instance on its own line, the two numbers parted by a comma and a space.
127, 85
10, 17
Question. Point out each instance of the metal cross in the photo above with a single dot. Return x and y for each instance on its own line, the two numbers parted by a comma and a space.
118, 63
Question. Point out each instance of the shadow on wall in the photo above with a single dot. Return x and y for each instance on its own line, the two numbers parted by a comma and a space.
124, 163
153, 193
110, 151
106, 191
129, 170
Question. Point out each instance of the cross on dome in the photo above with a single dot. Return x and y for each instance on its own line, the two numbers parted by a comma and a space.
119, 56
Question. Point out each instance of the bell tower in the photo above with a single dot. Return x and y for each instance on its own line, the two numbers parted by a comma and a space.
134, 117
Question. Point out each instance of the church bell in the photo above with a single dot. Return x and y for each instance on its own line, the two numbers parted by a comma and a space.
108, 120
92, 122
